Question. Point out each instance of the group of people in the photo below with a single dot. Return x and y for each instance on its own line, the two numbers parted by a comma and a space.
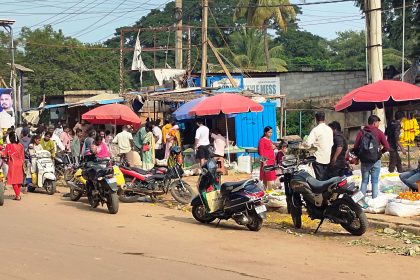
332, 152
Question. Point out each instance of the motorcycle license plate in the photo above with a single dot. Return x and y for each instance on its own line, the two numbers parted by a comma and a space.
358, 196
111, 180
260, 209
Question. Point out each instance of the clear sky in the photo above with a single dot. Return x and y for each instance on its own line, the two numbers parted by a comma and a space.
96, 20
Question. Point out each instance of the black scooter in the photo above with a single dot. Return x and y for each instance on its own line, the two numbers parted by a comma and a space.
241, 201
101, 186
335, 199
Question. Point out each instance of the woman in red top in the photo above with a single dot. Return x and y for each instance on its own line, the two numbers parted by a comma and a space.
266, 150
15, 154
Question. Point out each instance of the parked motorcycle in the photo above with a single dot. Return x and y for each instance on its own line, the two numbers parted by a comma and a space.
64, 165
334, 199
158, 181
44, 176
240, 201
101, 186
77, 184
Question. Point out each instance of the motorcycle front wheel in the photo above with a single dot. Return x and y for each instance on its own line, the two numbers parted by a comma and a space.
112, 203
256, 222
68, 173
358, 223
200, 213
182, 194
75, 195
295, 212
50, 187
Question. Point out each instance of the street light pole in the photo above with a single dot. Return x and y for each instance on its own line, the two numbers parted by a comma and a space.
403, 42
7, 25
204, 42
178, 34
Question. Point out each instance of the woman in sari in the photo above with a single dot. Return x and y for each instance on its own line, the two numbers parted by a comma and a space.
148, 150
266, 151
171, 140
16, 156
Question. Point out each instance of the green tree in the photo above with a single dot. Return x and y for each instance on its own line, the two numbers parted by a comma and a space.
348, 50
264, 13
5, 57
303, 50
247, 52
392, 24
63, 63
222, 10
298, 43
293, 119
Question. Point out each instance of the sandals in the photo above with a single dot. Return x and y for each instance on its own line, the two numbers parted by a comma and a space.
18, 198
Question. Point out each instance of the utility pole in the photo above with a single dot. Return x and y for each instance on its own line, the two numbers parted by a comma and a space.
17, 109
373, 12
205, 17
403, 43
189, 53
178, 34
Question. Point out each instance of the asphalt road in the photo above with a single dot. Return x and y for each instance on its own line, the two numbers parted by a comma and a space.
49, 237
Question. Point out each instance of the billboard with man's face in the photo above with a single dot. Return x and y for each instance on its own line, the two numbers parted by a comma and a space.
7, 116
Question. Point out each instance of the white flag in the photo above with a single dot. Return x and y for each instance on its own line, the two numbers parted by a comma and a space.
138, 63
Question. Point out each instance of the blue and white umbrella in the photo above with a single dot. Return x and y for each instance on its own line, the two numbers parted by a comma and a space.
182, 112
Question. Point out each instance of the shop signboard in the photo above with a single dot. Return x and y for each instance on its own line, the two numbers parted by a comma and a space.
264, 86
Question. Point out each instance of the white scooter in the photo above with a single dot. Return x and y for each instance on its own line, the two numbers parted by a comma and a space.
44, 175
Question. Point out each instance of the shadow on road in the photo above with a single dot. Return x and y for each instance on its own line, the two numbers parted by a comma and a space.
223, 225
323, 232
82, 205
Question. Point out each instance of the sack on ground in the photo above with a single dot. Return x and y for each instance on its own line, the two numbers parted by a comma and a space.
276, 199
403, 208
214, 200
378, 205
391, 181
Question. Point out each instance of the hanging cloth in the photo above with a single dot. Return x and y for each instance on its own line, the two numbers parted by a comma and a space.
168, 74
138, 63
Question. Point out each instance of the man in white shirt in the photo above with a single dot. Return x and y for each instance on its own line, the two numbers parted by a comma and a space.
58, 144
124, 140
157, 133
202, 142
321, 137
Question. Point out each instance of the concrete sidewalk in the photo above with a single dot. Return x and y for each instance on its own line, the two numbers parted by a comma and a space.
410, 224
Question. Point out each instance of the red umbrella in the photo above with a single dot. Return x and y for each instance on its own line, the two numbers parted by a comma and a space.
116, 114
225, 103
384, 91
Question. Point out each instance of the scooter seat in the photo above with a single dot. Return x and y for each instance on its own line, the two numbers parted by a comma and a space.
321, 186
229, 186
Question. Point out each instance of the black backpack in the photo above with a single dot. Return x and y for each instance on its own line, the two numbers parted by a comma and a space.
369, 148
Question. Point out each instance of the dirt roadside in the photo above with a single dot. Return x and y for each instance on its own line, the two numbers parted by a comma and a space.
50, 237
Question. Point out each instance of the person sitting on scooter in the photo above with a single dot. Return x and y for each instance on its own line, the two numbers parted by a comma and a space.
412, 178
48, 144
99, 148
34, 146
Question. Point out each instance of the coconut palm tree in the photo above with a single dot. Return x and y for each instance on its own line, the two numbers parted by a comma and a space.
262, 13
247, 52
